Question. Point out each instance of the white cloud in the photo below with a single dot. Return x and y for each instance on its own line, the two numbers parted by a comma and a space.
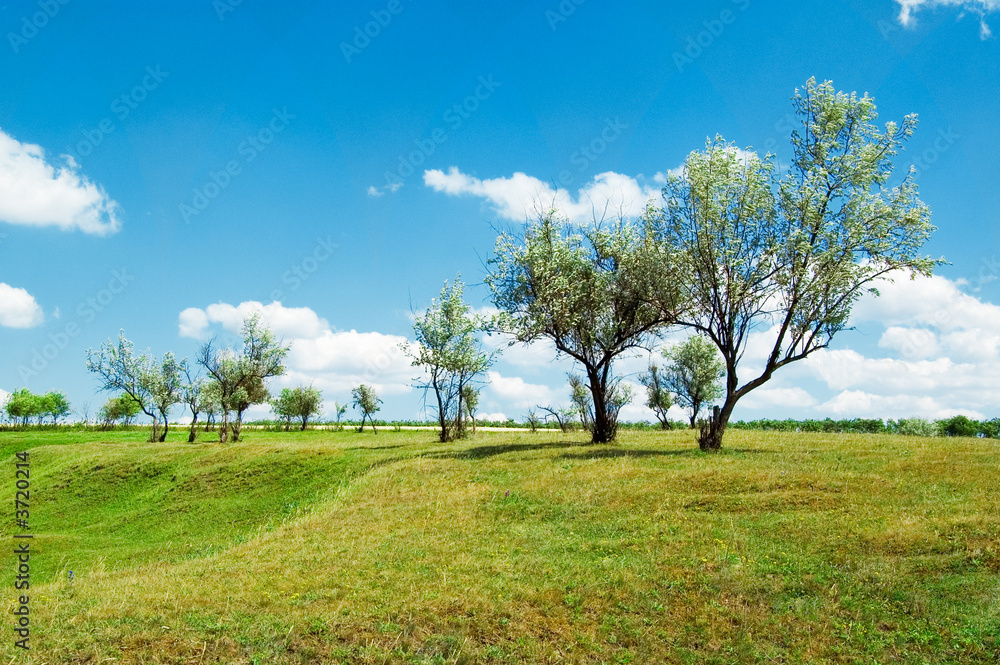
495, 416
292, 322
768, 398
334, 361
522, 197
907, 8
3, 396
33, 192
520, 394
18, 308
376, 192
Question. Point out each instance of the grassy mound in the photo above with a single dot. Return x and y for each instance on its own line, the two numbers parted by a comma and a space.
515, 547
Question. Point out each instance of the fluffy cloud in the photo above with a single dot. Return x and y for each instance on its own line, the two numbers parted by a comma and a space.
515, 391
522, 197
18, 308
33, 192
907, 8
293, 322
334, 361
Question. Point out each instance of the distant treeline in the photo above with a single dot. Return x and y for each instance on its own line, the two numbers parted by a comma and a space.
955, 426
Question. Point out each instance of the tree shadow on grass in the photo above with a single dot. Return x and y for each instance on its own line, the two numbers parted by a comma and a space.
638, 453
478, 452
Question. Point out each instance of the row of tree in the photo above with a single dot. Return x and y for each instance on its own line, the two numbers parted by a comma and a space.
736, 247
23, 405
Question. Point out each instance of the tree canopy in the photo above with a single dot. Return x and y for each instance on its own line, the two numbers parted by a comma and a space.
788, 255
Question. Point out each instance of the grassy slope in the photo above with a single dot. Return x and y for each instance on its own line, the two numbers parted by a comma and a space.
513, 547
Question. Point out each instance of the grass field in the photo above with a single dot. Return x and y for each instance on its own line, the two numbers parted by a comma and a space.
510, 547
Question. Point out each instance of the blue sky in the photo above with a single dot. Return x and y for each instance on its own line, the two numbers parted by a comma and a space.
166, 168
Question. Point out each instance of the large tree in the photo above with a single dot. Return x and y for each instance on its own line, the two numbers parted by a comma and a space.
788, 255
449, 348
238, 379
120, 368
693, 373
596, 293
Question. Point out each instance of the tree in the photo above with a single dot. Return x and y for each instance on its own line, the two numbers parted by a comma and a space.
693, 373
238, 380
118, 408
339, 409
658, 397
119, 368
197, 398
23, 405
448, 347
167, 387
791, 254
564, 417
55, 405
596, 293
300, 403
366, 400
470, 398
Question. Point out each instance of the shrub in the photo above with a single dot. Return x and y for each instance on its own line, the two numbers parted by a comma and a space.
916, 427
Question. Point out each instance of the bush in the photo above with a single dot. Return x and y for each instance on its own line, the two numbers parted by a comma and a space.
916, 427
959, 426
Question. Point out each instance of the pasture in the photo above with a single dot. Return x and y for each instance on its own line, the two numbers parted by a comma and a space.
510, 547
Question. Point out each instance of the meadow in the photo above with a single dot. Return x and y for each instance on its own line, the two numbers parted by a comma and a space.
509, 547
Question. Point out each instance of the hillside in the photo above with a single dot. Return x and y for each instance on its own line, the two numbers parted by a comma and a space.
511, 547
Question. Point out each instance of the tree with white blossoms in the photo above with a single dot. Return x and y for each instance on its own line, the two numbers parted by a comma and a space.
120, 368
238, 379
596, 292
449, 348
787, 255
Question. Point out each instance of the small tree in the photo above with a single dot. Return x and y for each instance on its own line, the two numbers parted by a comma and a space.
238, 379
449, 348
121, 408
119, 368
196, 397
693, 373
658, 397
367, 401
340, 410
55, 405
791, 253
532, 420
302, 403
470, 398
23, 405
564, 417
167, 387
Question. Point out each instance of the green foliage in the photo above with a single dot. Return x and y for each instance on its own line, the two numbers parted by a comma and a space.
595, 292
658, 397
449, 349
959, 426
302, 403
23, 405
367, 401
693, 373
121, 409
792, 252
238, 379
916, 427
153, 387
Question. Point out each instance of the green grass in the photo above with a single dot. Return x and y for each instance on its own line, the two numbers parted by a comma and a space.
512, 547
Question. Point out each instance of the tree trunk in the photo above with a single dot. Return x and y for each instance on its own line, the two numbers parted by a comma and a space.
710, 436
605, 428
194, 428
166, 428
305, 420
224, 427
237, 426
156, 428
